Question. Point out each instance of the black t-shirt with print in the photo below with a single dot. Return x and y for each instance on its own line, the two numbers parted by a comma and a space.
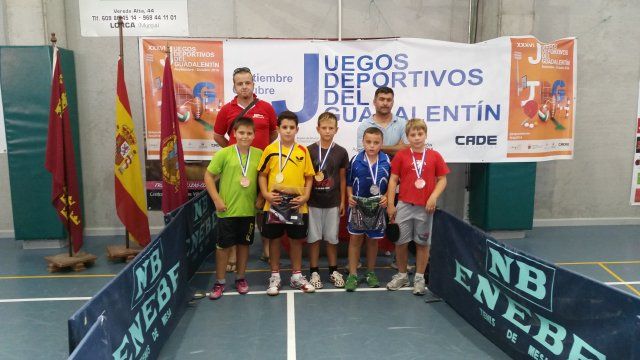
326, 193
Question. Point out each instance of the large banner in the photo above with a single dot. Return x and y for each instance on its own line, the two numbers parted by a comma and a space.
528, 307
635, 171
507, 99
132, 316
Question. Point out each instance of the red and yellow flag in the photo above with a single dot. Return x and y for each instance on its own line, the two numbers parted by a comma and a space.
174, 179
60, 158
131, 204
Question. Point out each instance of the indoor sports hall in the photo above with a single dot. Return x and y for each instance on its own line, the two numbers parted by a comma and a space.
111, 113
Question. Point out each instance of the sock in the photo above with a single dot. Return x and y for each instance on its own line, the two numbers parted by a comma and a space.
275, 274
239, 277
222, 282
402, 274
296, 274
314, 269
419, 276
332, 269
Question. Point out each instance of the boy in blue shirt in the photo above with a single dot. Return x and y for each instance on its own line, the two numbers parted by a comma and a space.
368, 178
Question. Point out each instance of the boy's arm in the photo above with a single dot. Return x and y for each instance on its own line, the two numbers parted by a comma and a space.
210, 182
441, 184
391, 197
352, 202
272, 198
343, 189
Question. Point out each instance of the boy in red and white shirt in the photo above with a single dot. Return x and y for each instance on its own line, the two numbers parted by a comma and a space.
422, 174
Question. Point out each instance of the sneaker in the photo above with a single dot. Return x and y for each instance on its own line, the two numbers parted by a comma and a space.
419, 287
352, 282
337, 279
301, 283
372, 280
315, 280
242, 286
398, 281
217, 291
274, 286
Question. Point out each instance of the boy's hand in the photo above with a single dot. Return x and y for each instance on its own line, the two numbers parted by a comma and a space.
391, 211
273, 198
431, 204
260, 203
298, 201
383, 201
352, 202
342, 209
220, 205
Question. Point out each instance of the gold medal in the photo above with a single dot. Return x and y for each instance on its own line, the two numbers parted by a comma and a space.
319, 176
280, 178
245, 182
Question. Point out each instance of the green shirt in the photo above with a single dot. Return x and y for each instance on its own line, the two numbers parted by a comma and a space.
240, 200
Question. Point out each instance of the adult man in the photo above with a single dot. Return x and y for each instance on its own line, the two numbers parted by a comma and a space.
261, 112
246, 104
392, 126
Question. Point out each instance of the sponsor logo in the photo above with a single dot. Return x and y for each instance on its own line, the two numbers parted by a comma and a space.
476, 140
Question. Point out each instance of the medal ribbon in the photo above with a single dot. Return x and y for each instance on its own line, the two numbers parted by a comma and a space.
320, 160
415, 165
244, 167
280, 167
374, 178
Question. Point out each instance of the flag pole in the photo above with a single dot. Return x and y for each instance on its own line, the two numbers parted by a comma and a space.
54, 43
121, 37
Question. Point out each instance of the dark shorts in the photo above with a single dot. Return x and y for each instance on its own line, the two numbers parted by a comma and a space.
294, 232
235, 231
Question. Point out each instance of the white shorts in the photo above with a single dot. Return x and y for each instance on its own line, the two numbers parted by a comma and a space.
415, 224
323, 224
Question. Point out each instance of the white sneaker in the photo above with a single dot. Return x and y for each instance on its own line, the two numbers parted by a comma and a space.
337, 279
301, 283
419, 287
315, 280
274, 286
398, 281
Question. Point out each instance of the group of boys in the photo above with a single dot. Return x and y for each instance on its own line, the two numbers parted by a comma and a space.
316, 186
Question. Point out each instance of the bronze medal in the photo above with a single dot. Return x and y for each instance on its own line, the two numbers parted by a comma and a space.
245, 182
420, 183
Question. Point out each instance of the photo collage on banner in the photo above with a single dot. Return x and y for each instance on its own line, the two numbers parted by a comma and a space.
542, 98
477, 100
198, 76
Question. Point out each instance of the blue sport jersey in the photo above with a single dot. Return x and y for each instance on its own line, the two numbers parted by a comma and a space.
359, 175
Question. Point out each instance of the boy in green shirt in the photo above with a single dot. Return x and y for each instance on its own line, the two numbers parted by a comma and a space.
236, 168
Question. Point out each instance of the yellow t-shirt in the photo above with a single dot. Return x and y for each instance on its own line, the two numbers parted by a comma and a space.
294, 171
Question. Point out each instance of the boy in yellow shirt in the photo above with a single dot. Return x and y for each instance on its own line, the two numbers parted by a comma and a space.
285, 179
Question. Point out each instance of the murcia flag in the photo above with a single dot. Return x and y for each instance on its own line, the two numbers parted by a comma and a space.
131, 204
174, 180
60, 158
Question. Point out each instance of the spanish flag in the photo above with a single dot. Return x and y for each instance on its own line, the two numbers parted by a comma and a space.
131, 204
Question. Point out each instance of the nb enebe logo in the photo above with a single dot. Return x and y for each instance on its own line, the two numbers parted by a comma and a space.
528, 278
476, 140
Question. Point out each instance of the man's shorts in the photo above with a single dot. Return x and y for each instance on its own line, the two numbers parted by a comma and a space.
235, 231
323, 224
294, 232
415, 224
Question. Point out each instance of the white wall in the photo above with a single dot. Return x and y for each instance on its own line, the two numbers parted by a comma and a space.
594, 185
